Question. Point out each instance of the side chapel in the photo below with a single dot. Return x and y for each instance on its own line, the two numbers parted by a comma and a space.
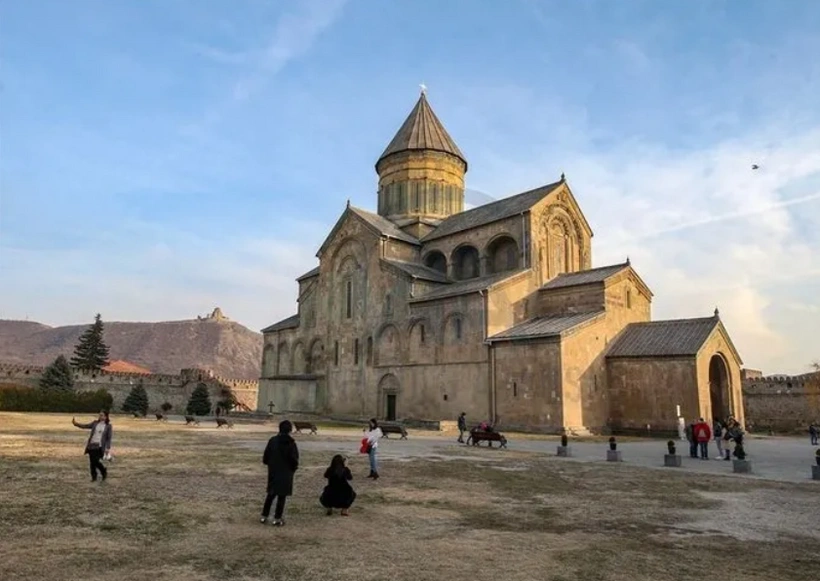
424, 310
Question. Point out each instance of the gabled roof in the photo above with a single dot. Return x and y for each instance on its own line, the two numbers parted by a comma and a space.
422, 131
590, 276
377, 224
464, 287
291, 322
309, 274
546, 326
384, 226
491, 212
673, 338
418, 270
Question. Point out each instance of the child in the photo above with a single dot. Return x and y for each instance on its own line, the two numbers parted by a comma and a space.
338, 493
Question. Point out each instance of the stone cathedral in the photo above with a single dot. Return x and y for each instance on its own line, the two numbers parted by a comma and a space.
424, 310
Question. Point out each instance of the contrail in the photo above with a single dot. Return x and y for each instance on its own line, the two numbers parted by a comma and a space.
730, 216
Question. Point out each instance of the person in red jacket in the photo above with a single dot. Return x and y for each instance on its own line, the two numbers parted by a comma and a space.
703, 433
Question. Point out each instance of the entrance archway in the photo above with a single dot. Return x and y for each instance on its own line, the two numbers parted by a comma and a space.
388, 396
719, 388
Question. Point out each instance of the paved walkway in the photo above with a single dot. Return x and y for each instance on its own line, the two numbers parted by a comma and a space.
781, 459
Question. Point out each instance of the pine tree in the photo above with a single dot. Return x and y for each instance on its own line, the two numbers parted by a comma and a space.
200, 402
58, 376
91, 352
137, 401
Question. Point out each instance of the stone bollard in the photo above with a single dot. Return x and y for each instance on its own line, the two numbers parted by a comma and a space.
672, 460
671, 457
613, 454
564, 451
815, 472
742, 466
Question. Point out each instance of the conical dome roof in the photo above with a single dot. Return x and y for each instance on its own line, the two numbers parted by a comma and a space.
422, 131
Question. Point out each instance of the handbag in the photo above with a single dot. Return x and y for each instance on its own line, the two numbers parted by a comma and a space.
365, 447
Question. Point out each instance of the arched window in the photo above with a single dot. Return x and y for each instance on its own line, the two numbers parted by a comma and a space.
437, 261
348, 298
457, 323
502, 255
466, 263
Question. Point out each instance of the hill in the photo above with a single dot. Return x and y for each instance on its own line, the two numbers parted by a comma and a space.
223, 346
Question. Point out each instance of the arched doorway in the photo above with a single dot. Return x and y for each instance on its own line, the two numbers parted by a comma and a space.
388, 395
719, 387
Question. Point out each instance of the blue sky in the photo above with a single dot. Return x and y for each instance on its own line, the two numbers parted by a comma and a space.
162, 157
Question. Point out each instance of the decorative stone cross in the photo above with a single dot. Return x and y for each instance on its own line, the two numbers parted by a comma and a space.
270, 407
423, 89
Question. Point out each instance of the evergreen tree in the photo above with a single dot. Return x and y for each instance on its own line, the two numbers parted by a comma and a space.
91, 352
200, 402
58, 376
137, 401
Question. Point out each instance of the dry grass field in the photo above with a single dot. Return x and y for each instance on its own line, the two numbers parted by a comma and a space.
182, 503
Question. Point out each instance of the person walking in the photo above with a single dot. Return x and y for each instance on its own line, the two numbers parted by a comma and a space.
373, 435
813, 432
703, 433
338, 493
462, 427
98, 444
718, 430
282, 459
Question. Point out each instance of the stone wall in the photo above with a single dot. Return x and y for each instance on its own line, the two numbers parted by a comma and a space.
528, 385
647, 391
782, 403
161, 388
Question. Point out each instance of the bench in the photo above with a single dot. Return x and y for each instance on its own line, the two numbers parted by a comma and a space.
299, 426
220, 422
478, 436
393, 429
191, 420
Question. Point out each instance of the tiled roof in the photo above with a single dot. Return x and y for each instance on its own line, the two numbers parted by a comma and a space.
491, 212
418, 270
383, 225
291, 322
309, 274
422, 130
599, 274
464, 287
547, 326
675, 338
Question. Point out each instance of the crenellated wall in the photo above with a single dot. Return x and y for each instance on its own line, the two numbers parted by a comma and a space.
782, 403
161, 388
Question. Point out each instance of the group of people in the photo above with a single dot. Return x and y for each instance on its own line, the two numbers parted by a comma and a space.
281, 456
725, 434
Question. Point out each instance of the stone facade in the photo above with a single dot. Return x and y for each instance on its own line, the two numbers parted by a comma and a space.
174, 389
781, 403
423, 311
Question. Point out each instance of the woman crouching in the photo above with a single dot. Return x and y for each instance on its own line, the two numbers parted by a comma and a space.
338, 493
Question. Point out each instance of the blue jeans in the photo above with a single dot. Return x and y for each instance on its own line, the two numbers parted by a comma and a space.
372, 456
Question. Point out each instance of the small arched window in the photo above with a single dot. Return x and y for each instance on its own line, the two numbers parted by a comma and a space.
628, 299
458, 328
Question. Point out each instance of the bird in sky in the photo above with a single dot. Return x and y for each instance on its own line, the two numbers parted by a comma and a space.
755, 166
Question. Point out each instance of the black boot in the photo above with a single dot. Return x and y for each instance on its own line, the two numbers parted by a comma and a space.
371, 475
375, 476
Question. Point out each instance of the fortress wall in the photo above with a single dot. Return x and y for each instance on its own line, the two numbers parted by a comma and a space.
782, 403
161, 388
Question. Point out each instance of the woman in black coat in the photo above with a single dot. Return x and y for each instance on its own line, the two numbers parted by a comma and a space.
338, 493
282, 459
